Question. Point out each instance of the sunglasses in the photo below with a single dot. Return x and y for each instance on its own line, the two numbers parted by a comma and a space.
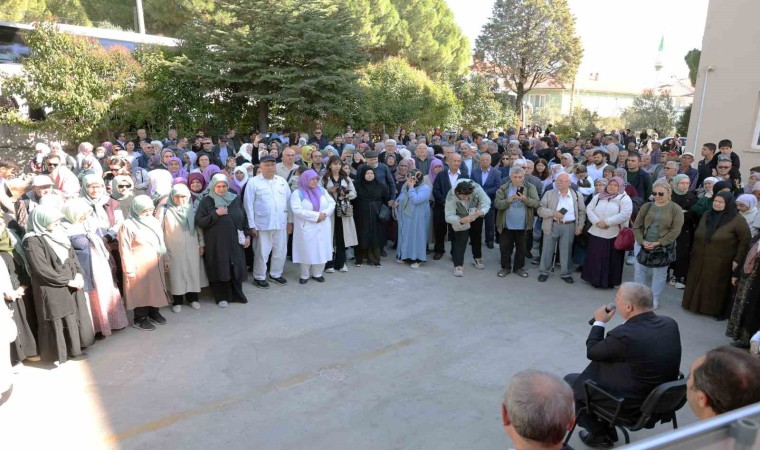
724, 167
53, 165
124, 186
658, 194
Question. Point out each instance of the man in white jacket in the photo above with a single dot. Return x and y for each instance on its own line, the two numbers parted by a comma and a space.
267, 200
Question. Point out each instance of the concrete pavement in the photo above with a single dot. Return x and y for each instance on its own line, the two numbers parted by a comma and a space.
389, 358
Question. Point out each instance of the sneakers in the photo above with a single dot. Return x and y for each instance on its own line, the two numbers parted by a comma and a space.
223, 304
399, 261
376, 265
279, 280
144, 325
330, 270
177, 308
672, 281
344, 269
458, 271
478, 263
356, 264
656, 304
261, 284
195, 305
679, 285
503, 273
157, 318
319, 279
415, 265
630, 260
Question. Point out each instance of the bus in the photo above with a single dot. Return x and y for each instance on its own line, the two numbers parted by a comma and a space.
13, 50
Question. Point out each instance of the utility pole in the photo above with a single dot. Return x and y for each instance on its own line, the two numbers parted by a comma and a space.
140, 18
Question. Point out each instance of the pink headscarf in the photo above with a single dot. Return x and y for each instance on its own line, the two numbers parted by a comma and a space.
313, 194
435, 162
605, 195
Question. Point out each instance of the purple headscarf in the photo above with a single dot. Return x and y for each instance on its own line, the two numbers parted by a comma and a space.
181, 173
605, 195
210, 171
313, 194
435, 162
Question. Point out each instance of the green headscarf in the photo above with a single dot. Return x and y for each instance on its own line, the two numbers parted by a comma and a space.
185, 213
91, 179
676, 179
41, 218
118, 179
220, 201
154, 235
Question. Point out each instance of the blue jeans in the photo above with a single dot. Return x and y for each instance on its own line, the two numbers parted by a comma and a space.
659, 275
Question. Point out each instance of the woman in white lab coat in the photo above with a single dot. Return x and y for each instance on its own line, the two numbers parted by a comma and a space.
312, 230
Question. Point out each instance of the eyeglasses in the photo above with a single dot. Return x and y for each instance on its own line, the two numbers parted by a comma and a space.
658, 194
124, 186
53, 165
207, 143
724, 167
115, 169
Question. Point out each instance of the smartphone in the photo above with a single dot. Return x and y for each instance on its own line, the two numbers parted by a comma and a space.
520, 190
563, 211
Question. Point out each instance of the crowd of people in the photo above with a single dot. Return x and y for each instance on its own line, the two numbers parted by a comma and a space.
136, 225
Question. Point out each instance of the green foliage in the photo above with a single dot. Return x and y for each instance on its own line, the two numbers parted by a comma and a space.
394, 93
650, 110
548, 114
682, 125
67, 11
73, 77
526, 42
480, 108
692, 60
580, 121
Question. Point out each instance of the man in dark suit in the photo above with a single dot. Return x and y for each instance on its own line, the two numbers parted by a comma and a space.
632, 360
489, 178
441, 188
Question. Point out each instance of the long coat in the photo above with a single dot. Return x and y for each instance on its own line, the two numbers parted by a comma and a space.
312, 241
708, 286
221, 236
349, 227
370, 231
186, 271
139, 257
413, 222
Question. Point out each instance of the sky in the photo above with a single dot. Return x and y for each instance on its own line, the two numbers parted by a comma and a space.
620, 37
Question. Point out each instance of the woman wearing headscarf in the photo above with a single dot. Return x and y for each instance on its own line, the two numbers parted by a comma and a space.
222, 217
82, 228
657, 225
105, 216
629, 188
229, 167
197, 185
747, 206
744, 320
686, 199
402, 170
209, 171
141, 242
160, 186
122, 190
306, 155
312, 207
90, 165
174, 166
183, 260
705, 197
370, 196
608, 212
720, 245
64, 325
190, 158
341, 189
140, 178
18, 298
238, 180
246, 155
436, 167
413, 219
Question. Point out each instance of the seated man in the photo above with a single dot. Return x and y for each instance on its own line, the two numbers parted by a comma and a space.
537, 411
722, 380
633, 359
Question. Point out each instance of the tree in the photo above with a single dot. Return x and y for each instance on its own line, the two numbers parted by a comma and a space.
650, 110
692, 60
581, 121
480, 108
682, 126
74, 78
394, 93
69, 11
298, 55
526, 42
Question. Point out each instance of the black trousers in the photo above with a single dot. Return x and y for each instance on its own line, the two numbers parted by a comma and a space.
510, 240
584, 420
371, 255
439, 228
461, 238
142, 312
190, 296
490, 224
339, 256
231, 291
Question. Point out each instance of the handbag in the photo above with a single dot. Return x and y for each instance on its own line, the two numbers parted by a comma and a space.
624, 240
384, 213
661, 256
345, 208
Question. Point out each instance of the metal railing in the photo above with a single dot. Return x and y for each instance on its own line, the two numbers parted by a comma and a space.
735, 430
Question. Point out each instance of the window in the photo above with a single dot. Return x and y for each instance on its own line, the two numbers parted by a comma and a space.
756, 135
12, 46
537, 100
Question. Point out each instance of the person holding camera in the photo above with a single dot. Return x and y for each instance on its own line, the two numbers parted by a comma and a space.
341, 188
413, 219
466, 205
516, 203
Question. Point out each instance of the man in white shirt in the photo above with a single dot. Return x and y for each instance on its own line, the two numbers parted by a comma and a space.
469, 158
596, 170
287, 168
564, 214
267, 205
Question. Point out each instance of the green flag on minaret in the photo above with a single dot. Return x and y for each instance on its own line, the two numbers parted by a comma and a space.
662, 43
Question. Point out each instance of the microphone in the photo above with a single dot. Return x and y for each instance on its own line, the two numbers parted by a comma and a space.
608, 308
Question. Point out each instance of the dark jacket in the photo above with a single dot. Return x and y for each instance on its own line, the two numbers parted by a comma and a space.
492, 182
442, 186
383, 175
633, 359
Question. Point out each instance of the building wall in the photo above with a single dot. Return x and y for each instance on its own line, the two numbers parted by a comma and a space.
728, 96
603, 103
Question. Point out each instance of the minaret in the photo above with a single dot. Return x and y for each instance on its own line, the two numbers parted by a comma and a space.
658, 64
